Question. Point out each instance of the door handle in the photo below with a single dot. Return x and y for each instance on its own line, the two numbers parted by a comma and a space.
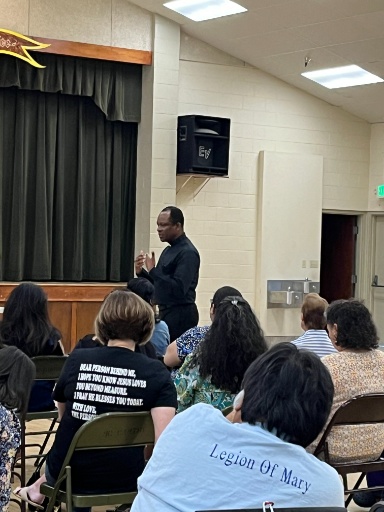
375, 280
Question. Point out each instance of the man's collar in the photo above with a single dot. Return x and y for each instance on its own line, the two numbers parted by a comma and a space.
178, 239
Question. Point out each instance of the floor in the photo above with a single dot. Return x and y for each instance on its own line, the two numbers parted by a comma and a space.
39, 425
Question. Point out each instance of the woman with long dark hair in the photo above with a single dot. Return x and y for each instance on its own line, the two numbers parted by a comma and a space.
214, 372
26, 325
14, 395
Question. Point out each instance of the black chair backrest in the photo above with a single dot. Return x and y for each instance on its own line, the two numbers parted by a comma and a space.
359, 410
48, 367
298, 509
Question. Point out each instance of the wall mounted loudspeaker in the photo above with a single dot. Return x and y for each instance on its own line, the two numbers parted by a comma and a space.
203, 145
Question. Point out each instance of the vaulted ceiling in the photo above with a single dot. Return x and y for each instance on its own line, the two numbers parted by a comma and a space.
277, 36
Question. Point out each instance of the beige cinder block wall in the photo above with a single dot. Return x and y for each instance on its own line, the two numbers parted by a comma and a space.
267, 115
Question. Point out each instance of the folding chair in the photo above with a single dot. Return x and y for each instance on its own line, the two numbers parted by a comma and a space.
47, 368
360, 410
297, 509
108, 431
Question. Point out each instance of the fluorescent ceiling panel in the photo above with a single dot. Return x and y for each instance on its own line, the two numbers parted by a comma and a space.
200, 10
344, 76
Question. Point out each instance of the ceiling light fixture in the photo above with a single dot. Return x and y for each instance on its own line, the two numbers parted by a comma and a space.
200, 10
344, 76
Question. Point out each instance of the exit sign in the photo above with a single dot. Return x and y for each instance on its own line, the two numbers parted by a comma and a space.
380, 191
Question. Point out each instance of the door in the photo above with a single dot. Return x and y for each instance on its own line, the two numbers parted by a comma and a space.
378, 278
338, 243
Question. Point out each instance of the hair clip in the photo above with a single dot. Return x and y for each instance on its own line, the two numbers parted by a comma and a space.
233, 299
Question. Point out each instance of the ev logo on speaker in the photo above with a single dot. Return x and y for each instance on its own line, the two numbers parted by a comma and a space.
204, 152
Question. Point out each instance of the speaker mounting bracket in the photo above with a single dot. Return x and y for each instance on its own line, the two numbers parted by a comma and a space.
201, 185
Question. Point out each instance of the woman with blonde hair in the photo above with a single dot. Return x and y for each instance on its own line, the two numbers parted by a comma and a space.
143, 384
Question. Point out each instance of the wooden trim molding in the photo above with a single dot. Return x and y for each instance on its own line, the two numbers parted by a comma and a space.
68, 292
95, 51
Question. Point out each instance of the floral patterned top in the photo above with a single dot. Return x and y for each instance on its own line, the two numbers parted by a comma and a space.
192, 389
187, 342
10, 442
354, 373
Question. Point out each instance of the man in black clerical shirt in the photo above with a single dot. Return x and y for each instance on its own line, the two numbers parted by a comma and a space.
176, 274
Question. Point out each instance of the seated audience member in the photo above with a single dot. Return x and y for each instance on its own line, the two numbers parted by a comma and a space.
313, 322
91, 341
262, 458
17, 372
145, 289
124, 321
26, 325
88, 341
357, 368
214, 372
187, 342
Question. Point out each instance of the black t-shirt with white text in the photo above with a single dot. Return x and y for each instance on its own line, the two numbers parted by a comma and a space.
96, 381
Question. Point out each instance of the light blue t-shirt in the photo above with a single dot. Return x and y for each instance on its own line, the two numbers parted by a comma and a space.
160, 338
202, 461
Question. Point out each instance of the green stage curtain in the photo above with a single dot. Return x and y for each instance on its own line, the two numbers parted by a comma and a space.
68, 184
115, 87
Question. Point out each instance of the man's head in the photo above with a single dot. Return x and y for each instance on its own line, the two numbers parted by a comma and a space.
313, 312
288, 391
170, 224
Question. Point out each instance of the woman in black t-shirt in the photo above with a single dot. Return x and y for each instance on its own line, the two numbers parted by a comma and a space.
26, 325
142, 384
